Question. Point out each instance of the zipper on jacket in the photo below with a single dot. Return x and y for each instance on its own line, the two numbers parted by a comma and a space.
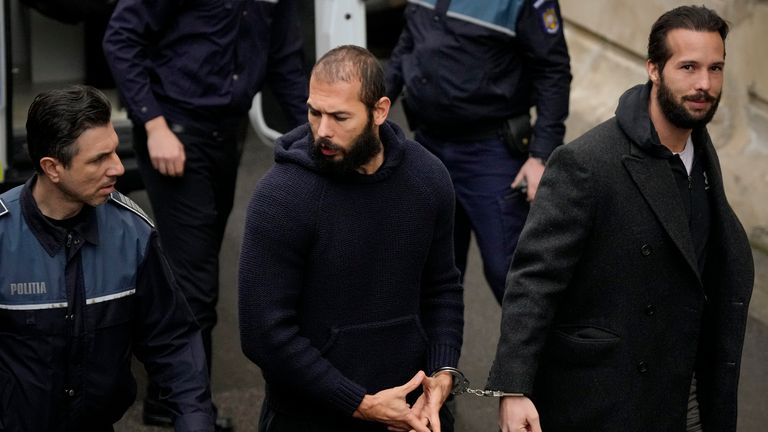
69, 320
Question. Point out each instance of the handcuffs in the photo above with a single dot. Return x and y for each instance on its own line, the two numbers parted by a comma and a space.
461, 385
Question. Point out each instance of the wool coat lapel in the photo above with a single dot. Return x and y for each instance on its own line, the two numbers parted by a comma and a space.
657, 185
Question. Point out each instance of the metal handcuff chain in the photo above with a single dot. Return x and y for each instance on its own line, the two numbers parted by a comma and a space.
461, 385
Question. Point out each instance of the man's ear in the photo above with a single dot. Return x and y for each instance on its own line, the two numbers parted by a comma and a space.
653, 72
51, 168
381, 110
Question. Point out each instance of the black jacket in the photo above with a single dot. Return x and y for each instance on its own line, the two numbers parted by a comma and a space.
471, 64
204, 60
75, 305
607, 315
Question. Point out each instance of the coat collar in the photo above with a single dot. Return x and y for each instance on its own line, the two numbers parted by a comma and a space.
649, 169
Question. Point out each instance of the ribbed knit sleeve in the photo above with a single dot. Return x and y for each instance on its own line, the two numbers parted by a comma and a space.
279, 229
442, 355
341, 279
442, 302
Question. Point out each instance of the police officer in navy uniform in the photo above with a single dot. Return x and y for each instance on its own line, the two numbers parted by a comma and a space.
188, 71
84, 285
472, 70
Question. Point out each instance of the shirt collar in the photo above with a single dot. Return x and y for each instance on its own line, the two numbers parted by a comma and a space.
51, 237
687, 155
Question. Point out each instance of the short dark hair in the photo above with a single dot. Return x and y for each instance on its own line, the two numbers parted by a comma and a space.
348, 63
58, 117
696, 18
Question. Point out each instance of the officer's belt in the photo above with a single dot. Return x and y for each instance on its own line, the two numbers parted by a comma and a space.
465, 131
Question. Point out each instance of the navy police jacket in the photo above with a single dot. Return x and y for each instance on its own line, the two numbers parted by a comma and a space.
203, 61
474, 63
75, 304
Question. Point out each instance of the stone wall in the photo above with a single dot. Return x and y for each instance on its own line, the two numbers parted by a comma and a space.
608, 40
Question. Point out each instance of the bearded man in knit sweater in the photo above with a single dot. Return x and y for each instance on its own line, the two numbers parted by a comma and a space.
349, 295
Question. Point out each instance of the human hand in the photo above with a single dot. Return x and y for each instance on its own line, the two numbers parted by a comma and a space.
531, 172
518, 414
165, 150
389, 407
435, 391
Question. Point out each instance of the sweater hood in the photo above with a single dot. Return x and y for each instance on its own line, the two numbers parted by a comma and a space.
295, 146
633, 118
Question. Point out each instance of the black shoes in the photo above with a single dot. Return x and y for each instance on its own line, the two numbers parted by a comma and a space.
156, 414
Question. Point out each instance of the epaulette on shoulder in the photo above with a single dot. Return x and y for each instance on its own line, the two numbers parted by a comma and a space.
3, 209
127, 203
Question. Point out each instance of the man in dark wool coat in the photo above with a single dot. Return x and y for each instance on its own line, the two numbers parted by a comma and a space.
626, 301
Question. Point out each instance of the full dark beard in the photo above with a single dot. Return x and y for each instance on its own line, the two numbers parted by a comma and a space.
365, 147
676, 112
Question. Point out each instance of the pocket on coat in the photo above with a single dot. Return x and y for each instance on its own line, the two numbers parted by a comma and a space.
582, 345
580, 382
380, 354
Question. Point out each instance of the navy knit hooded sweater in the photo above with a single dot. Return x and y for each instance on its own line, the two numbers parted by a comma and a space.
348, 285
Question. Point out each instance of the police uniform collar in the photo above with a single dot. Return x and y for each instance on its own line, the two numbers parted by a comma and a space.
51, 237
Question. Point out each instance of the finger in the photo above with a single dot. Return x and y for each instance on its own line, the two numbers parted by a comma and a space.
533, 187
434, 421
178, 166
416, 424
534, 424
414, 383
418, 407
182, 159
162, 167
156, 164
170, 168
518, 178
423, 420
423, 417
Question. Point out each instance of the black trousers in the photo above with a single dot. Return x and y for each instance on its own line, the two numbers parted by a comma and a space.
273, 421
191, 212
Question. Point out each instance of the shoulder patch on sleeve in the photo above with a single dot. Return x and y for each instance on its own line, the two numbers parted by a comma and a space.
3, 208
127, 203
549, 19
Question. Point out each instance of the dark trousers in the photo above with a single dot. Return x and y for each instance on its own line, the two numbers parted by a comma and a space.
191, 213
272, 421
482, 171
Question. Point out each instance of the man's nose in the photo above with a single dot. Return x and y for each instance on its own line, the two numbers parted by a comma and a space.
324, 129
704, 81
116, 168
